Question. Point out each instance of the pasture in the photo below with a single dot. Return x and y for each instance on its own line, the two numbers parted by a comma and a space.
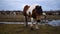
20, 18
20, 29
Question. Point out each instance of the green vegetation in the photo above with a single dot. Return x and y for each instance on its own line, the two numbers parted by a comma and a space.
20, 29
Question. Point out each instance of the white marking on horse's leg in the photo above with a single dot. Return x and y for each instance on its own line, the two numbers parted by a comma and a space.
32, 22
36, 26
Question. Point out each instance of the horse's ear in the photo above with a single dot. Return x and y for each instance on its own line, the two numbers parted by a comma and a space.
37, 7
40, 7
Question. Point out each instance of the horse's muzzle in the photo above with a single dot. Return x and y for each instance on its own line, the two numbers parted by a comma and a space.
38, 20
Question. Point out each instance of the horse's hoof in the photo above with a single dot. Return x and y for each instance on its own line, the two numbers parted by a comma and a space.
37, 28
32, 28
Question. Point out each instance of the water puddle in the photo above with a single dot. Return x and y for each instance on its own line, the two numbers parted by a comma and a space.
52, 22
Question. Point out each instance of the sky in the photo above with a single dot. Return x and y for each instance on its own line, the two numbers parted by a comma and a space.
19, 4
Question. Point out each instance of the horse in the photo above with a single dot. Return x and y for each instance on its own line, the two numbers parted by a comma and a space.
34, 12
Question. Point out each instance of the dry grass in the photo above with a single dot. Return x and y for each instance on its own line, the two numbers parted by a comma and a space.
20, 29
53, 17
11, 18
20, 18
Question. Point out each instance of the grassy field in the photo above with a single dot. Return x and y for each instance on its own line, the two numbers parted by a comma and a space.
11, 18
20, 29
20, 18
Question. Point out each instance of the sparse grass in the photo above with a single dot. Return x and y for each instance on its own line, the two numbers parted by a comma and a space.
20, 29
53, 17
17, 18
20, 18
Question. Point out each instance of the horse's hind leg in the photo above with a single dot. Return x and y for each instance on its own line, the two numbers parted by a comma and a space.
26, 22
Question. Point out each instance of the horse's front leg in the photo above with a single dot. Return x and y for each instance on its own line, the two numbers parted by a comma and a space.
31, 21
37, 21
31, 25
36, 25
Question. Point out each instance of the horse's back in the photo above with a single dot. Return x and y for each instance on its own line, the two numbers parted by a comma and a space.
25, 10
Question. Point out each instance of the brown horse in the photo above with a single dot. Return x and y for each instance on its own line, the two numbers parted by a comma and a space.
34, 12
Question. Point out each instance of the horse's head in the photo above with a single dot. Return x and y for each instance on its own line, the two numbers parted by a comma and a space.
38, 10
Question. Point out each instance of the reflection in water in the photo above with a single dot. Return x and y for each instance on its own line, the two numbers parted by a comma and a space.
53, 22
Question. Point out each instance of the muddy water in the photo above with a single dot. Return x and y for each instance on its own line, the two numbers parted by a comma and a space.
52, 22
